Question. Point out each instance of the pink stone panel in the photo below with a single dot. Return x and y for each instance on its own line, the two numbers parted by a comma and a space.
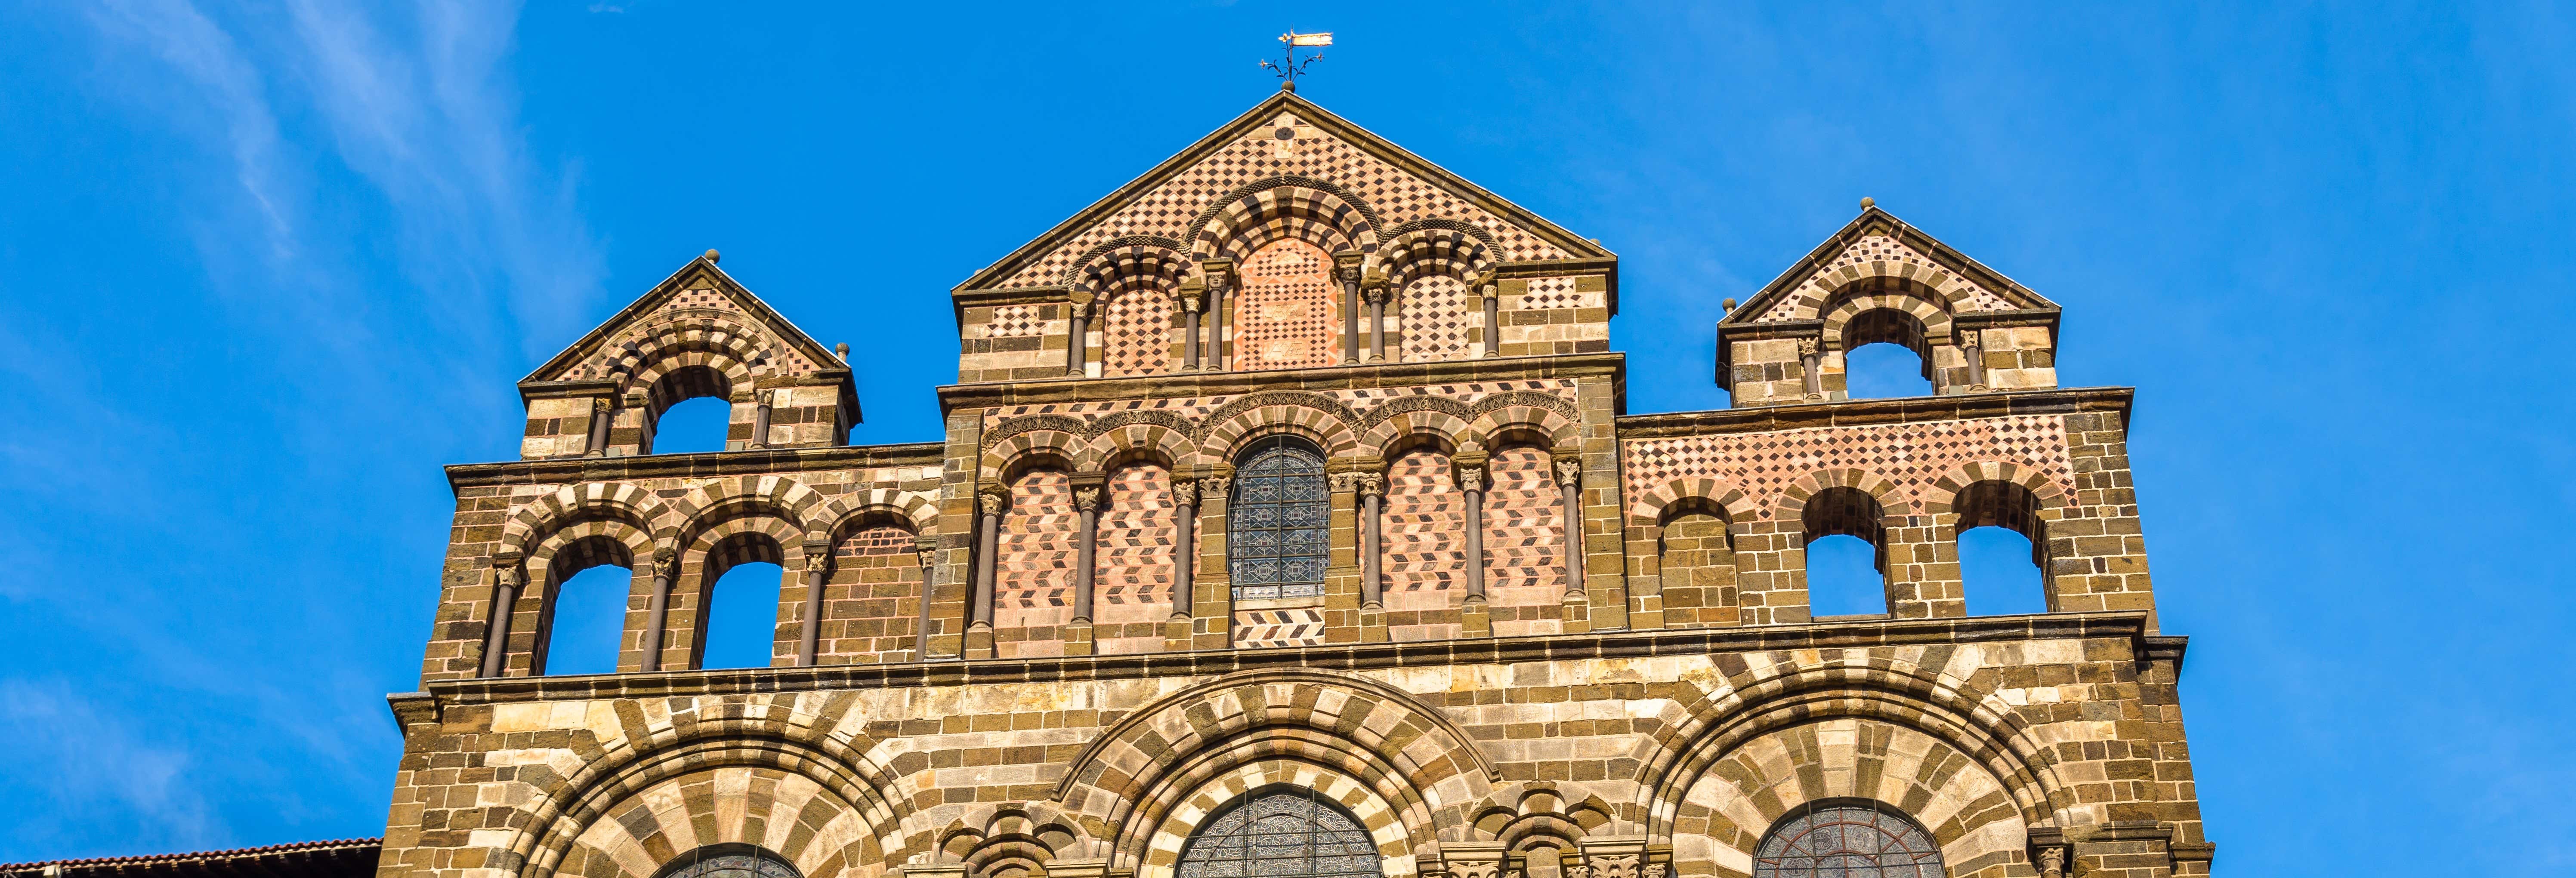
1424, 525
1911, 455
1136, 333
1524, 543
1033, 569
1139, 533
1285, 318
1436, 313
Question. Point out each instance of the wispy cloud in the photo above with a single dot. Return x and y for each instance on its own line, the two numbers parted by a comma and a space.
108, 761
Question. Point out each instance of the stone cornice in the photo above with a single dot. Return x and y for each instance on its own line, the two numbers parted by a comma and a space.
1903, 410
1196, 384
575, 470
2127, 627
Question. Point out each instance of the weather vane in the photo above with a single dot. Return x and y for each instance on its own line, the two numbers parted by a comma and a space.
1289, 67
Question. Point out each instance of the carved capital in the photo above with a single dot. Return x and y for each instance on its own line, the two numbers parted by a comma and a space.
1614, 865
1215, 487
1487, 869
1578, 870
1656, 870
2052, 861
1190, 304
1219, 274
1185, 492
1569, 473
1372, 485
992, 502
664, 555
1806, 347
1471, 478
1086, 499
1344, 482
818, 562
509, 576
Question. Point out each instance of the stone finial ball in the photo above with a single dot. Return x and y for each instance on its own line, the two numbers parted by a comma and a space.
1728, 304
712, 255
1866, 203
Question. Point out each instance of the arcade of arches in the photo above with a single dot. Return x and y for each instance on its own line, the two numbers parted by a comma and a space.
1288, 522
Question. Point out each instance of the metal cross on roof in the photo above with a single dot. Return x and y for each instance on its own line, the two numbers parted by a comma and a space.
1289, 66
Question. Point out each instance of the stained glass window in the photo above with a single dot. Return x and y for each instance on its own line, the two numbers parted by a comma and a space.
728, 861
1286, 833
1848, 840
1278, 527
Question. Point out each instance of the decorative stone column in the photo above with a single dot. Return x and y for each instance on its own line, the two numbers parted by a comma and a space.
1614, 857
1373, 285
1372, 560
1971, 346
1076, 358
988, 538
1474, 618
2049, 852
1576, 609
928, 549
1192, 298
1220, 280
1212, 597
601, 412
759, 420
1472, 859
1086, 539
1811, 369
505, 604
657, 612
1492, 297
1346, 265
1185, 556
818, 566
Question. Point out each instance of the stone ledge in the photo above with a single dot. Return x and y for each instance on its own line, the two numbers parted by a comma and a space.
1195, 384
575, 470
2126, 626
1857, 412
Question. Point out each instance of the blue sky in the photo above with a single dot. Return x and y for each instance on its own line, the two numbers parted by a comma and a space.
269, 267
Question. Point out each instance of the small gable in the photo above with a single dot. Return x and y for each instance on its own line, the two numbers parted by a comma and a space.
699, 308
1876, 251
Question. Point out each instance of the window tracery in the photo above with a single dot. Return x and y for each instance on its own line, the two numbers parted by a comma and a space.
1283, 833
1848, 840
1278, 525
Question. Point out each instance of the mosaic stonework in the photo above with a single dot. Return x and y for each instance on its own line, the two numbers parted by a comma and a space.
1799, 304
1435, 315
1425, 526
1524, 542
1285, 317
1136, 333
1014, 321
1033, 568
1138, 545
1552, 293
1286, 627
1911, 455
1361, 400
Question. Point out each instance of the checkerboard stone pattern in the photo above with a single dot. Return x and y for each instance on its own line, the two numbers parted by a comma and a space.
1284, 318
1167, 209
1033, 566
1424, 524
1911, 455
1435, 317
1136, 332
1810, 294
1524, 543
1139, 533
871, 599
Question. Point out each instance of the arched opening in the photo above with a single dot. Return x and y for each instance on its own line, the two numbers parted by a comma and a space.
1285, 317
1281, 832
1847, 838
688, 411
2003, 550
1033, 564
741, 619
1846, 546
1886, 354
1278, 524
730, 860
1696, 556
582, 628
1423, 541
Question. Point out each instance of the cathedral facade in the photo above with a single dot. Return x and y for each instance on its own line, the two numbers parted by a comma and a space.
1289, 522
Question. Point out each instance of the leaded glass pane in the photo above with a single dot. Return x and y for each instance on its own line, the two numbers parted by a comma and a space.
1854, 840
1281, 834
728, 861
1278, 526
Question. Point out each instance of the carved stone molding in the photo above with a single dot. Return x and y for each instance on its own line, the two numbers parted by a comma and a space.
1086, 499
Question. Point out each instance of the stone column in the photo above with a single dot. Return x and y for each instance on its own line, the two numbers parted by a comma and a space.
1577, 605
1493, 315
505, 603
1191, 292
1970, 346
928, 549
657, 613
759, 420
1185, 526
600, 414
2049, 852
1220, 280
1377, 318
1372, 560
1811, 369
818, 564
1473, 618
1212, 597
1086, 539
1472, 859
1079, 304
988, 538
1346, 265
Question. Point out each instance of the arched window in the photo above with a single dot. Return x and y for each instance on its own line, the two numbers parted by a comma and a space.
581, 626
744, 620
1278, 526
688, 411
1999, 526
1886, 355
1847, 839
728, 861
1281, 833
1846, 546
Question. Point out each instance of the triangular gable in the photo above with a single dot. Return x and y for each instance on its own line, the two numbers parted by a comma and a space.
1877, 244
698, 290
1394, 185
